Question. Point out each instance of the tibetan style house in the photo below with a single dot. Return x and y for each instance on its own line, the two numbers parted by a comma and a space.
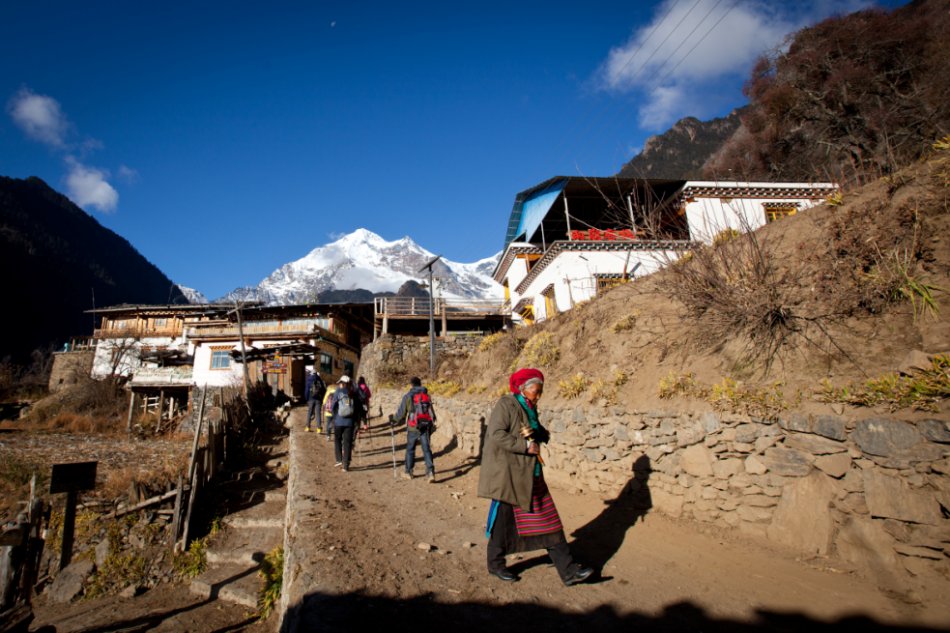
570, 238
164, 352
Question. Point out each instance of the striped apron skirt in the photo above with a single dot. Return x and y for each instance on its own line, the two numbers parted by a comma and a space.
520, 531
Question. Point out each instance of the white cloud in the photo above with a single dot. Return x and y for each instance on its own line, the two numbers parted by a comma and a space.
87, 187
688, 46
39, 116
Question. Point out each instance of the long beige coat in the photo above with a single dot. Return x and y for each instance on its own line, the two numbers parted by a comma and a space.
507, 471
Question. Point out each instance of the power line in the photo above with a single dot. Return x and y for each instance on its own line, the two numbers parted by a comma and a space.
700, 40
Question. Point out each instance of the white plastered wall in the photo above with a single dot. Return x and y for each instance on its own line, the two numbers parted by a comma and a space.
129, 352
573, 274
707, 217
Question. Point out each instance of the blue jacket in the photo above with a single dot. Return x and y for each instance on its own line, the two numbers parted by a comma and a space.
339, 420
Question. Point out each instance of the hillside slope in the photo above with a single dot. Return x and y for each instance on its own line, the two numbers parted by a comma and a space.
822, 296
57, 260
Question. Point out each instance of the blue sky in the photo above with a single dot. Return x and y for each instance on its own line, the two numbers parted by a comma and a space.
225, 139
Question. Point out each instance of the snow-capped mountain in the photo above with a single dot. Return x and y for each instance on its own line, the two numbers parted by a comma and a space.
193, 296
364, 260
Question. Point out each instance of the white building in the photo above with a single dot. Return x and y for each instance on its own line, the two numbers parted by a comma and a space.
570, 238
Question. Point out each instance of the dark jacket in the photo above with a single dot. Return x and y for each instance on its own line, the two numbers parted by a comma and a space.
315, 388
339, 420
507, 471
405, 406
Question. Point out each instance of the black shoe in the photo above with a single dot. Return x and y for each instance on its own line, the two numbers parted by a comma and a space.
504, 574
580, 575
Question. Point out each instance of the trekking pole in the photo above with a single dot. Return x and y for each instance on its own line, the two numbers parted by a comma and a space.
392, 433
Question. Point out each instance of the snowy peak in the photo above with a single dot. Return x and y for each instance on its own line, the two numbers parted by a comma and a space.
363, 260
193, 296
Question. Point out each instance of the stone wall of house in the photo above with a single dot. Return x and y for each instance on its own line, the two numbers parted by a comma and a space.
390, 350
69, 368
871, 490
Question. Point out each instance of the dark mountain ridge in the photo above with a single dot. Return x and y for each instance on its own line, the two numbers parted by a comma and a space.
682, 151
58, 262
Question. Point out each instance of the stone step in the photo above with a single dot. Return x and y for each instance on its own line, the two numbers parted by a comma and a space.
255, 522
246, 547
239, 584
278, 495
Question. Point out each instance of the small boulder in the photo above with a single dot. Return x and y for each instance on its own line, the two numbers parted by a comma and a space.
68, 583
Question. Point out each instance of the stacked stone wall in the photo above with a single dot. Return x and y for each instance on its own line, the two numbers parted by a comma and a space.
411, 351
70, 368
873, 491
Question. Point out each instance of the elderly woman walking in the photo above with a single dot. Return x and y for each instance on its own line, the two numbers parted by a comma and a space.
522, 516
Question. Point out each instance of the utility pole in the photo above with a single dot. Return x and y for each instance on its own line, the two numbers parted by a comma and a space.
429, 265
247, 378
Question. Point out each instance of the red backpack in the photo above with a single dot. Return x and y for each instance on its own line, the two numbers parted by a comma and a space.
421, 416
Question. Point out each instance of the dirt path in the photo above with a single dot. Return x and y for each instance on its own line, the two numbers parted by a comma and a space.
658, 574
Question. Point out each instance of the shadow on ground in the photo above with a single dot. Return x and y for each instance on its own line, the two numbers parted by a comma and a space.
357, 611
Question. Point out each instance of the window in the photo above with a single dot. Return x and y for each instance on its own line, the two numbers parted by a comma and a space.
220, 359
778, 210
606, 282
348, 368
550, 302
326, 363
160, 323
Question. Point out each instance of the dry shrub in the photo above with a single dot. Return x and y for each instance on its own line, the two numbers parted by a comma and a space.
95, 398
735, 287
139, 482
79, 423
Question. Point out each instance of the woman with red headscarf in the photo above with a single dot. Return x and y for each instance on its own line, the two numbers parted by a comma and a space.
522, 516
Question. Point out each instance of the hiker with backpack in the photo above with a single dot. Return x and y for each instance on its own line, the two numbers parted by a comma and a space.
343, 406
314, 392
366, 394
416, 411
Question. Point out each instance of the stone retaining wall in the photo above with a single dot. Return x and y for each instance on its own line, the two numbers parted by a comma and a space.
872, 491
411, 351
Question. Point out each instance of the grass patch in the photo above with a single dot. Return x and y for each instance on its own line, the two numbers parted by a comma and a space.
443, 387
272, 572
728, 395
572, 387
491, 341
923, 390
540, 351
194, 561
626, 323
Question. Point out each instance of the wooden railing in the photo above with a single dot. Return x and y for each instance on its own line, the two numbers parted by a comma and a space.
419, 306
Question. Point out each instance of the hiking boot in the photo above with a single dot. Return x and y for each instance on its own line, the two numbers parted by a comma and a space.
307, 429
430, 478
406, 475
338, 464
318, 430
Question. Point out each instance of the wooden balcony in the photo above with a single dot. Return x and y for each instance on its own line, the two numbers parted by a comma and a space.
137, 332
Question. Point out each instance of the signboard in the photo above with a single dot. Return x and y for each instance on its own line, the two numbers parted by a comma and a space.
275, 367
74, 477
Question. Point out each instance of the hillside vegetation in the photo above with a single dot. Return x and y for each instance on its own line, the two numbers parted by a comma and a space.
820, 309
852, 98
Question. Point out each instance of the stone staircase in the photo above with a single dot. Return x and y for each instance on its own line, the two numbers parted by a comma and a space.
254, 526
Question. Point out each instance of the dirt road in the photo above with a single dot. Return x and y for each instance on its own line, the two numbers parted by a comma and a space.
412, 553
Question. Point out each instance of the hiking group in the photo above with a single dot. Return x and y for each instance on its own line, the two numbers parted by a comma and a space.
344, 410
522, 516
